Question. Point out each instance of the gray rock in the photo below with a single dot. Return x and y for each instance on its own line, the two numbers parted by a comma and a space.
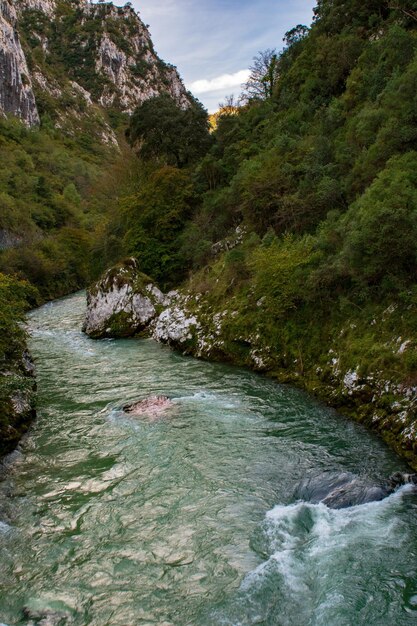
16, 93
175, 327
342, 490
398, 479
132, 72
122, 303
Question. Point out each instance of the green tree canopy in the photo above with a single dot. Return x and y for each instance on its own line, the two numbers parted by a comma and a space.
161, 130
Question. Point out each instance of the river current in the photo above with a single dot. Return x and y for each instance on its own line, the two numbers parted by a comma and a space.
193, 519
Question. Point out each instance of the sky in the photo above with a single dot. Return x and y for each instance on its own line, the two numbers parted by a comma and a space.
213, 43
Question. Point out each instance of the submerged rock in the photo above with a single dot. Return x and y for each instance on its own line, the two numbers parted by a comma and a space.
153, 407
122, 303
342, 490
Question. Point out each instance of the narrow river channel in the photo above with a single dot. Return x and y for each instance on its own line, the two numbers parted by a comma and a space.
194, 519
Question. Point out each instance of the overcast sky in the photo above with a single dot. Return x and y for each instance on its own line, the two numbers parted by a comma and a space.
213, 43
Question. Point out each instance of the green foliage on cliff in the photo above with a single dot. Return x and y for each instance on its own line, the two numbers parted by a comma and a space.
72, 44
46, 223
154, 220
15, 298
331, 152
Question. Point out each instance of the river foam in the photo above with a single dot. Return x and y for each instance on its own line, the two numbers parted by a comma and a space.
319, 563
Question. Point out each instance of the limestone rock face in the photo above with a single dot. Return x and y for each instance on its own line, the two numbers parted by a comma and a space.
175, 326
122, 303
134, 71
107, 61
47, 6
16, 92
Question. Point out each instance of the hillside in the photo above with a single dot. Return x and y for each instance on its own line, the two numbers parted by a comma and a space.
72, 73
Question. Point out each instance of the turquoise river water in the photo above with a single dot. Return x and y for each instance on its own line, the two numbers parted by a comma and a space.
194, 519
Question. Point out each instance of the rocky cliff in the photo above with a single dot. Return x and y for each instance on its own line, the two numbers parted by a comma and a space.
78, 64
16, 90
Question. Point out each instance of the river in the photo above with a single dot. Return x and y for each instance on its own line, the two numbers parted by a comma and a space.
193, 519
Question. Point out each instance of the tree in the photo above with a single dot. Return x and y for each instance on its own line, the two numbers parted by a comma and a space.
380, 228
154, 220
296, 34
263, 76
336, 16
160, 130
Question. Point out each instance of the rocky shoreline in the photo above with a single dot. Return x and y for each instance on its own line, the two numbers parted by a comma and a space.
17, 402
125, 303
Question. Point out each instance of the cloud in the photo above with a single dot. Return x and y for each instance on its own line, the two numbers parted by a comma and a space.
220, 83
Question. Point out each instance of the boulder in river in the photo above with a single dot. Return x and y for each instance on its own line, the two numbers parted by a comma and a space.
152, 407
122, 303
342, 490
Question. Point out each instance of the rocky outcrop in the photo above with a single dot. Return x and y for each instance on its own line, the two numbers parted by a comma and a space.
46, 6
16, 90
122, 303
108, 62
134, 72
17, 401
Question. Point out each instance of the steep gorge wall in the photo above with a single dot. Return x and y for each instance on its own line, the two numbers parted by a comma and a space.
72, 59
16, 90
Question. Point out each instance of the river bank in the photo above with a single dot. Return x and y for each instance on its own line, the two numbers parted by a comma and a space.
348, 363
17, 401
17, 379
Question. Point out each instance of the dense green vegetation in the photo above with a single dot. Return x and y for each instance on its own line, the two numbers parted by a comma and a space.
164, 132
15, 298
330, 153
46, 222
